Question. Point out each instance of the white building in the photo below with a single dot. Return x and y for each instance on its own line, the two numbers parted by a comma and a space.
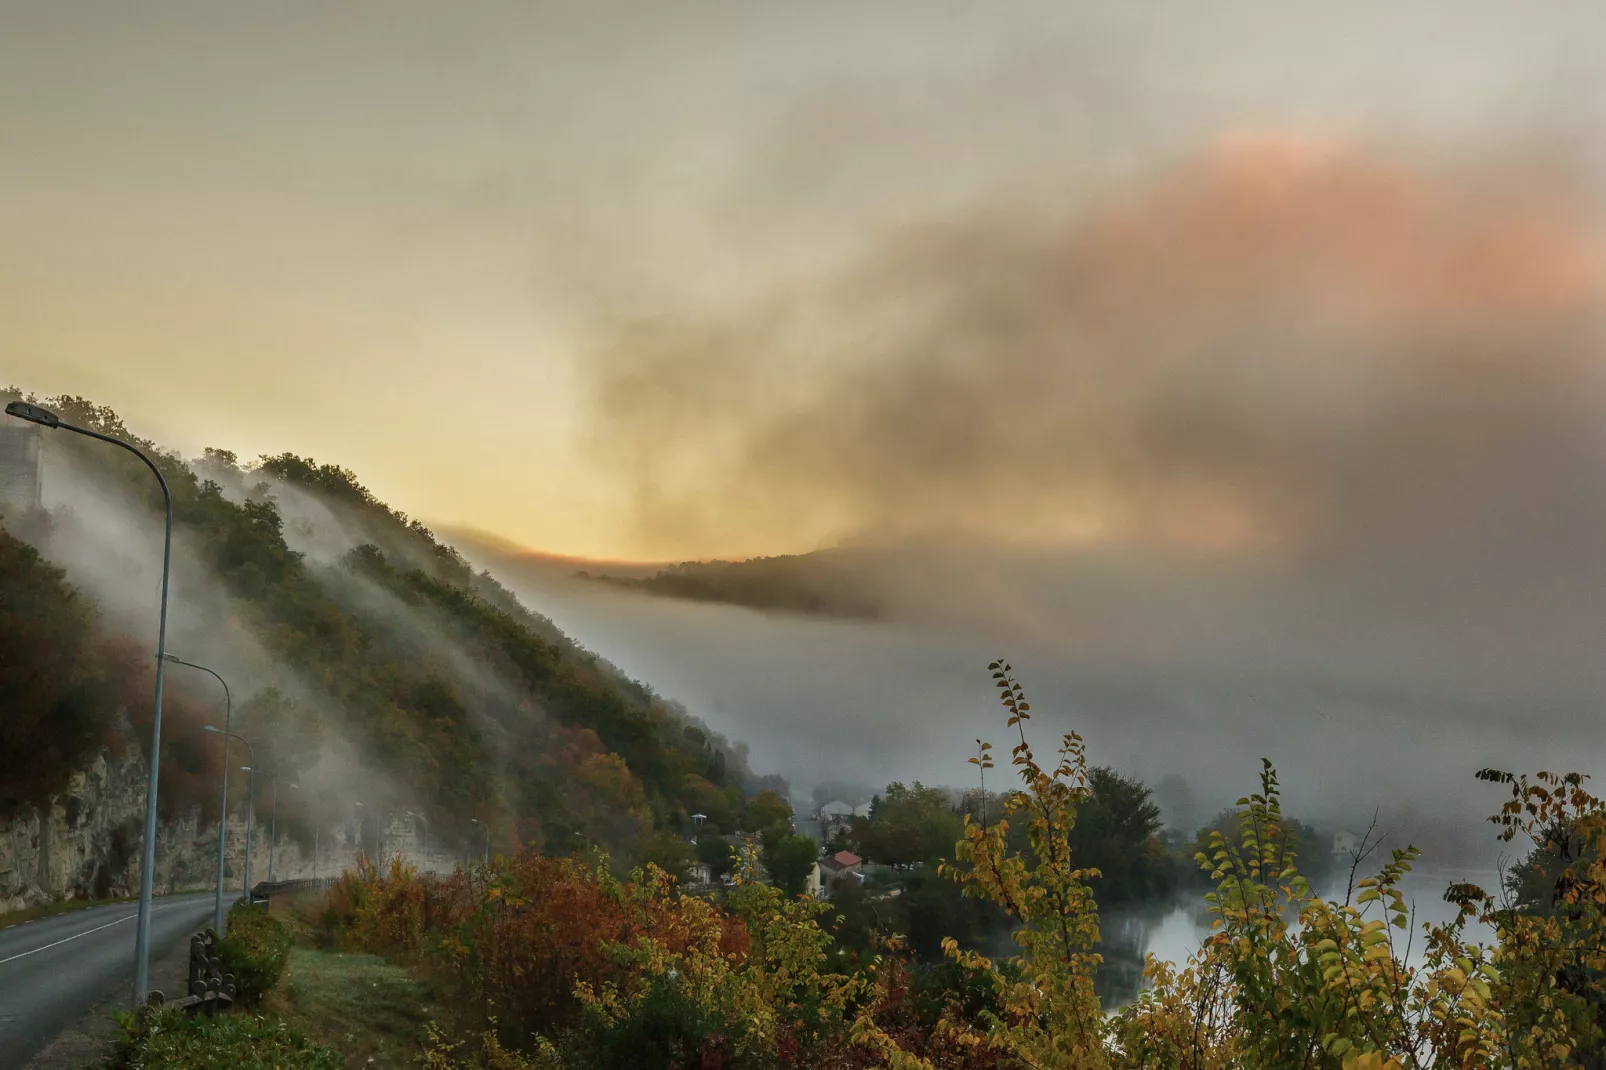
837, 814
1345, 844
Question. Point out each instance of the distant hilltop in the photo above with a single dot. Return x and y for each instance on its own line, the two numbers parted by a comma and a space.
815, 584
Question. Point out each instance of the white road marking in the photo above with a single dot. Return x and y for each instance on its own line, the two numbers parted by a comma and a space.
86, 932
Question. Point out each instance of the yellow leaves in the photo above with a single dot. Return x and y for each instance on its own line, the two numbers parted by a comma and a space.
868, 1035
1263, 989
1378, 953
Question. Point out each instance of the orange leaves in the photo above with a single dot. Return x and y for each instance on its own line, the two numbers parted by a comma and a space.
519, 941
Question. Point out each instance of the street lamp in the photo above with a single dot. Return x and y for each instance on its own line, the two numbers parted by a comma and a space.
298, 787
223, 809
423, 843
22, 410
273, 818
250, 801
487, 828
381, 857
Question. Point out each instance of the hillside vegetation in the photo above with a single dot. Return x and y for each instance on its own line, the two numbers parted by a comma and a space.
812, 584
373, 640
559, 965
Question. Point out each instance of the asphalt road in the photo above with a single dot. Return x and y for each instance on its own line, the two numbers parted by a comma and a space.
54, 970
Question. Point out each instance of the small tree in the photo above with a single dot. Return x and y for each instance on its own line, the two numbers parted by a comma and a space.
667, 851
767, 809
789, 862
1286, 979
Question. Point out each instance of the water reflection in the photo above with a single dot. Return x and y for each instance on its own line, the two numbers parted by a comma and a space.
1174, 929
1128, 936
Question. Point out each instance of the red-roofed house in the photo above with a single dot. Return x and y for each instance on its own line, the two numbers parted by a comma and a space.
841, 866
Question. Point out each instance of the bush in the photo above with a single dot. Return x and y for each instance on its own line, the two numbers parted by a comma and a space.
172, 1040
445, 1054
255, 951
666, 1028
552, 963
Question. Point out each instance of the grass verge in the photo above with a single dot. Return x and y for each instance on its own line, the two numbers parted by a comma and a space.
51, 909
373, 1012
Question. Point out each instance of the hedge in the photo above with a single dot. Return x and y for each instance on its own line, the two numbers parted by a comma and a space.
255, 951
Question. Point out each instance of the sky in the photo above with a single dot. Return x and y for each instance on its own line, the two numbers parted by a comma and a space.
670, 281
1233, 369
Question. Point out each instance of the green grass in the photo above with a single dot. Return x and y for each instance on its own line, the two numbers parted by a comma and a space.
373, 1012
174, 1040
50, 910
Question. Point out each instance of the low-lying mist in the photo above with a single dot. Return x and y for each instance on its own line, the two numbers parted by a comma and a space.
867, 703
1292, 448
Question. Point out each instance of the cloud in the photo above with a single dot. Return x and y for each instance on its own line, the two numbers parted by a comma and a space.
1281, 344
1294, 447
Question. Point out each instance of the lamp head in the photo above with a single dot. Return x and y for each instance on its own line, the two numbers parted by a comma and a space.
34, 414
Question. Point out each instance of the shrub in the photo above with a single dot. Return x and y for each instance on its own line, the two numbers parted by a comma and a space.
389, 913
1286, 978
665, 1028
172, 1040
445, 1054
255, 951
564, 965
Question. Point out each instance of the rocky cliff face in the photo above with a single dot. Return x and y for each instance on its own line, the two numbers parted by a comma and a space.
87, 842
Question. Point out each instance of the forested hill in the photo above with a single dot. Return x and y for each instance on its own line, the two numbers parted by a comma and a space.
368, 660
818, 584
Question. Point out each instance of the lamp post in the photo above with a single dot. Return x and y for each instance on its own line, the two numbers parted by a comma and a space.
22, 410
423, 842
487, 828
223, 808
360, 806
273, 818
250, 803
298, 787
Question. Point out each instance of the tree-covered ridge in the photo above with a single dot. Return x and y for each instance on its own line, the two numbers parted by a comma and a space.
58, 676
794, 583
471, 705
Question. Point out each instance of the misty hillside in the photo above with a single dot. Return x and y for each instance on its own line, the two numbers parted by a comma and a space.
368, 661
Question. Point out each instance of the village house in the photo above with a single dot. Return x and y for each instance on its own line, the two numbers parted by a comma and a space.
840, 867
815, 885
837, 814
1345, 844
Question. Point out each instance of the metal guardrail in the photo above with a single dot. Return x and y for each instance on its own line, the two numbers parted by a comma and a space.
263, 890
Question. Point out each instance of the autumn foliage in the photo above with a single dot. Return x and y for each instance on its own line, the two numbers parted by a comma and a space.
557, 960
558, 965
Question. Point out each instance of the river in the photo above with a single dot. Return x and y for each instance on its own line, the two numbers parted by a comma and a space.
1173, 930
